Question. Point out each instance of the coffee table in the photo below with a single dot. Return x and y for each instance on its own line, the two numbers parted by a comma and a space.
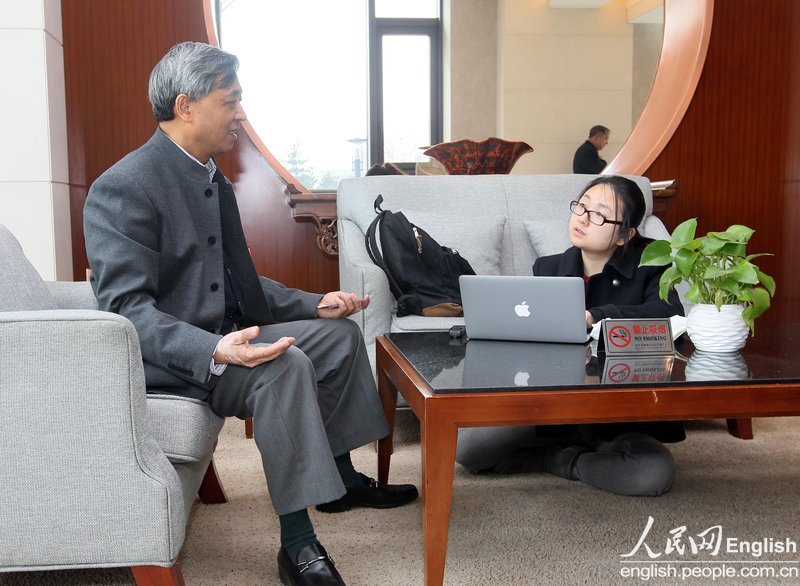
449, 384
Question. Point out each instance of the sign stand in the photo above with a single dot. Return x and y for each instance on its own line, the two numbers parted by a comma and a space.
636, 350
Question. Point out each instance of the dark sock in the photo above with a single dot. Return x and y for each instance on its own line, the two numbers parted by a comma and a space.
296, 532
346, 470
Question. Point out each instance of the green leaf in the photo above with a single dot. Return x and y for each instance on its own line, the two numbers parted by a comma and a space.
740, 233
767, 281
749, 320
758, 305
746, 273
732, 286
656, 254
668, 280
685, 260
736, 249
750, 257
726, 236
760, 302
714, 272
709, 246
693, 294
684, 233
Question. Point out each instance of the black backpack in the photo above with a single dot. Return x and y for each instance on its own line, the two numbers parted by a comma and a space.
422, 273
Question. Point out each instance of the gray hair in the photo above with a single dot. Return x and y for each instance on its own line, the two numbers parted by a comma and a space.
194, 69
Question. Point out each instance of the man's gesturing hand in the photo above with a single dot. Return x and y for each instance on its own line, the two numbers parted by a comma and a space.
235, 348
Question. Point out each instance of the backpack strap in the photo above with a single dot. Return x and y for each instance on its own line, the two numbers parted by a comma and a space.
375, 253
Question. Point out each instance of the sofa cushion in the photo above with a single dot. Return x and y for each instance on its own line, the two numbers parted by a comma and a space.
547, 236
21, 286
478, 239
184, 428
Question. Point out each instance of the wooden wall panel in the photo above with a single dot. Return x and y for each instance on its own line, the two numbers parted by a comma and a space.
110, 48
736, 150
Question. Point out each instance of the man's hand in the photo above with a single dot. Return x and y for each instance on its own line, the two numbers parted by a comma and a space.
235, 348
589, 320
338, 304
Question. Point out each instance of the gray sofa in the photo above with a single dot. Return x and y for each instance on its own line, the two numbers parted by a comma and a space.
500, 223
93, 472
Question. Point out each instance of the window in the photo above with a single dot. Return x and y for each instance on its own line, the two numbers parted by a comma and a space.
407, 8
331, 87
405, 80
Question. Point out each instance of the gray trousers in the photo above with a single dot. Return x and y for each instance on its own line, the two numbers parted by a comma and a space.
316, 401
632, 464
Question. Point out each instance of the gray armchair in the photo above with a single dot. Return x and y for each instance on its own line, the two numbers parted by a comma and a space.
93, 472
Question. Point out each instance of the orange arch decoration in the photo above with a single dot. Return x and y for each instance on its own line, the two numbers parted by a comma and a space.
687, 29
292, 184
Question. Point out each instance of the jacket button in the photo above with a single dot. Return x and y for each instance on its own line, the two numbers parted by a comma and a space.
214, 286
615, 282
211, 240
209, 192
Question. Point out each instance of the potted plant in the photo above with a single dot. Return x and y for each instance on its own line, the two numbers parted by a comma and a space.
724, 284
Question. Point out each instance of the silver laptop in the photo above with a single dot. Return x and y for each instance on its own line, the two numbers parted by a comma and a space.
530, 309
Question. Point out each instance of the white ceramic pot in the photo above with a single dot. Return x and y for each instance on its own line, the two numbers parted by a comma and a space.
713, 330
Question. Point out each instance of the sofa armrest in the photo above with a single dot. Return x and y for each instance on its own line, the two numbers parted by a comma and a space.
72, 294
78, 454
357, 273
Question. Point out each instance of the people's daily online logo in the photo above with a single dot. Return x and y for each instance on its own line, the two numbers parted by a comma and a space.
710, 553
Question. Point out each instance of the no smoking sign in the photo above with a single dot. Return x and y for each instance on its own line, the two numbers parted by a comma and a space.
619, 336
636, 336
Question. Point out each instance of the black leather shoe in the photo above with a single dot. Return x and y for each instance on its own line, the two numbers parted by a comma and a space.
372, 496
314, 567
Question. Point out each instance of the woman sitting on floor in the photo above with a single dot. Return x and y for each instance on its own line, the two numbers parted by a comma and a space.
624, 458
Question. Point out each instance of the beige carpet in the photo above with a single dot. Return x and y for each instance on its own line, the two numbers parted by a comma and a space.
528, 529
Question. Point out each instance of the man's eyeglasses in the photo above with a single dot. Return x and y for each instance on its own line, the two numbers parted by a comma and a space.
595, 218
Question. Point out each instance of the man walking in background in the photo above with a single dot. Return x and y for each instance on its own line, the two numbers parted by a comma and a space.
587, 158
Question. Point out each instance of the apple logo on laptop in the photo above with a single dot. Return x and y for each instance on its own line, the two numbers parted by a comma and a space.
522, 310
521, 379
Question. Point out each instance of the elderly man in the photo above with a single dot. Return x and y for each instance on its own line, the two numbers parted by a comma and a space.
167, 250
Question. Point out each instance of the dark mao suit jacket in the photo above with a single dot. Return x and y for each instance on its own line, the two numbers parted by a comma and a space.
153, 239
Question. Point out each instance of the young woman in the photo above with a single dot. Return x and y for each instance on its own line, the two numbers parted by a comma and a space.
624, 458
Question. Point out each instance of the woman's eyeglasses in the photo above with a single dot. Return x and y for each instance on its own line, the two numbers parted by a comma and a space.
595, 218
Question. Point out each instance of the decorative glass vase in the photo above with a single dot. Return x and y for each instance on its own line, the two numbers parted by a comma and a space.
713, 330
469, 157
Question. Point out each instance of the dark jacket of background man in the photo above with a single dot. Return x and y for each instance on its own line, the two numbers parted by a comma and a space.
587, 160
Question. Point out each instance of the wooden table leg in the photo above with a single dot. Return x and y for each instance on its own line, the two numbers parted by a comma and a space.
438, 463
741, 428
388, 395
